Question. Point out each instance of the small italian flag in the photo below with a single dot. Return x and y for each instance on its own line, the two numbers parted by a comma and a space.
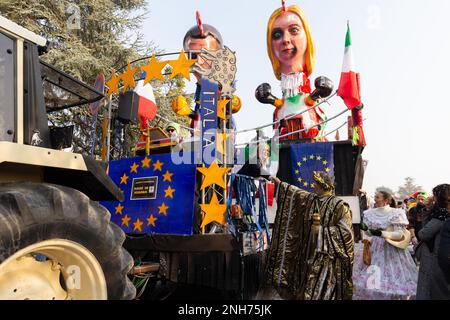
349, 84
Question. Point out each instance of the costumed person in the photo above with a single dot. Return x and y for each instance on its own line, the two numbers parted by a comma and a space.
291, 51
200, 36
386, 270
433, 284
173, 130
311, 254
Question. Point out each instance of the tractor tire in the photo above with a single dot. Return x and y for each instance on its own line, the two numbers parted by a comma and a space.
40, 213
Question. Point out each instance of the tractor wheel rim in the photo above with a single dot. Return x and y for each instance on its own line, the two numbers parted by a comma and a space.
70, 271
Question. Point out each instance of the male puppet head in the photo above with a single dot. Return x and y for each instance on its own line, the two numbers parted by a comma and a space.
299, 53
202, 36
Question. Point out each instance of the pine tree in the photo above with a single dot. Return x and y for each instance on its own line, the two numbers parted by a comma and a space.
408, 188
85, 38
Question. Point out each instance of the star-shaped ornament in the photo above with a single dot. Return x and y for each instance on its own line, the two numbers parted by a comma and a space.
158, 165
113, 84
126, 220
151, 220
221, 108
153, 70
214, 211
146, 162
134, 167
128, 78
220, 142
167, 176
181, 66
213, 175
163, 209
138, 225
169, 192
119, 209
124, 179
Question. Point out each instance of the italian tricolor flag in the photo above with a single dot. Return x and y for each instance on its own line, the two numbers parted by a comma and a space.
349, 84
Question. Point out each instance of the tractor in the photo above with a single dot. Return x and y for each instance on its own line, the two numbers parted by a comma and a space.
57, 241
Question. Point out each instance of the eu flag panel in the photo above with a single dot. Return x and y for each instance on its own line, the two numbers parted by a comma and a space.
159, 195
309, 157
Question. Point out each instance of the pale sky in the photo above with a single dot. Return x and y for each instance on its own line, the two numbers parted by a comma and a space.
400, 47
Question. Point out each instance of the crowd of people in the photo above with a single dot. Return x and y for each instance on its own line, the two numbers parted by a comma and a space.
402, 254
413, 260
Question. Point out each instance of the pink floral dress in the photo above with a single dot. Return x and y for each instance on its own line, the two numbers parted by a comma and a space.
392, 274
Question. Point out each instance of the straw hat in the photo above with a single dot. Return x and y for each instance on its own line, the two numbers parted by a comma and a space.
403, 243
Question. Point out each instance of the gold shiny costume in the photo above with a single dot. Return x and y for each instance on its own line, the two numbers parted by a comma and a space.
311, 254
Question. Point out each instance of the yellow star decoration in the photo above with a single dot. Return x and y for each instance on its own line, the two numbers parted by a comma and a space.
299, 179
128, 78
213, 175
167, 176
138, 225
119, 209
153, 69
169, 192
163, 209
324, 162
299, 163
151, 220
134, 167
327, 169
126, 220
214, 211
124, 179
312, 185
311, 157
296, 171
304, 159
146, 162
181, 66
113, 83
158, 165
220, 142
305, 184
221, 108
319, 158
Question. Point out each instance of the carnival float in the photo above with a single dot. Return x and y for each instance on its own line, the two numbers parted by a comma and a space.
198, 211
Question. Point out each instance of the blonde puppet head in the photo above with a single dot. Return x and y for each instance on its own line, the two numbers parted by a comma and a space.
309, 54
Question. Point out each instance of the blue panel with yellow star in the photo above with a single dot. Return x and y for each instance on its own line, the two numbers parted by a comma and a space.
309, 157
159, 195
